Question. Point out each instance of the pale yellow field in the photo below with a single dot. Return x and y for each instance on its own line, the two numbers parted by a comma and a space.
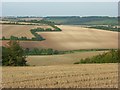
46, 60
61, 76
20, 30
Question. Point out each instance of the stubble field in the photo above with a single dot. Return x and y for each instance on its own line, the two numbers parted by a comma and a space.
20, 30
65, 76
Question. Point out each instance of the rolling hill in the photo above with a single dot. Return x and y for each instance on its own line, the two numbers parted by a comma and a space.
70, 38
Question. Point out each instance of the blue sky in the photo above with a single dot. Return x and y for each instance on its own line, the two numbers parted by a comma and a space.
60, 9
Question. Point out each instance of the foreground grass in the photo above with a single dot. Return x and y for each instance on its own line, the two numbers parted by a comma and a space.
63, 76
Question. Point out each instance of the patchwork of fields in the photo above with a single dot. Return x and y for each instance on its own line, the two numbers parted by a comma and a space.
65, 76
58, 71
70, 38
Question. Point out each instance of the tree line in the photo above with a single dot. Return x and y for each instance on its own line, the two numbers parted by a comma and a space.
86, 20
109, 57
37, 37
50, 23
45, 30
110, 28
15, 38
42, 51
14, 55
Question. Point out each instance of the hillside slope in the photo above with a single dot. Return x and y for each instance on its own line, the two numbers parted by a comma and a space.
71, 38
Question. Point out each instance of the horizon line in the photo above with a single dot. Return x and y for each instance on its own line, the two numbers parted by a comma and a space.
58, 16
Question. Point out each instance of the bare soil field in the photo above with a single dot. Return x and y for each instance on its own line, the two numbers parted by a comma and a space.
61, 76
20, 30
70, 38
79, 38
47, 60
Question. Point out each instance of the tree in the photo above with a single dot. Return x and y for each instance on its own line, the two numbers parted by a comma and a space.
13, 54
49, 51
48, 29
27, 50
13, 38
56, 52
3, 38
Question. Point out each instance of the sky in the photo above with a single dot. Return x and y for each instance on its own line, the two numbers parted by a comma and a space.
60, 0
59, 9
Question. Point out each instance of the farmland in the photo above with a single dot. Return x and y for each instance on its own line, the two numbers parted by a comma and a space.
46, 60
20, 30
73, 36
79, 38
65, 76
46, 70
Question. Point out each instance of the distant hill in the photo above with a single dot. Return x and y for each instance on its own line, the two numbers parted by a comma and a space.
90, 20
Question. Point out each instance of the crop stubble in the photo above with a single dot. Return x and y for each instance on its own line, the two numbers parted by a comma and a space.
63, 76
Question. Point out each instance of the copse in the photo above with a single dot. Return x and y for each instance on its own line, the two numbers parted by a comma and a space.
13, 54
